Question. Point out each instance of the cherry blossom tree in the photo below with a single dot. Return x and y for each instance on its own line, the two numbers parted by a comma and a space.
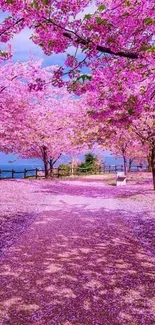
121, 141
126, 102
46, 135
114, 41
39, 121
144, 128
20, 89
114, 37
126, 145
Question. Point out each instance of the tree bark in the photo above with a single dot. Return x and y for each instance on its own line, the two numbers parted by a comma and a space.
51, 167
149, 158
125, 164
130, 164
101, 48
87, 42
52, 161
45, 160
153, 165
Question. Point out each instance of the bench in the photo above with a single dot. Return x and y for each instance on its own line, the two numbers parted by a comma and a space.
121, 179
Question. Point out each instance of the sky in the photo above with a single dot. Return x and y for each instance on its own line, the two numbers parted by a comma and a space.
23, 48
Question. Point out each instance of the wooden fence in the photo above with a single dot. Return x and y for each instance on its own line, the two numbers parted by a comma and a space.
62, 172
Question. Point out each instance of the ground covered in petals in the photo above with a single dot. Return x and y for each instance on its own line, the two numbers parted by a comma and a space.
77, 251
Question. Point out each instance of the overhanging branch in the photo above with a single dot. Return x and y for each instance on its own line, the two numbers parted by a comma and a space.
11, 26
69, 34
103, 49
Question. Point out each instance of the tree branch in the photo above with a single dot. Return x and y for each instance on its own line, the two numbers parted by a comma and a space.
4, 87
103, 49
16, 23
54, 161
68, 33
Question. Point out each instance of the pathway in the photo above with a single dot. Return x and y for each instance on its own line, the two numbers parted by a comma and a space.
77, 253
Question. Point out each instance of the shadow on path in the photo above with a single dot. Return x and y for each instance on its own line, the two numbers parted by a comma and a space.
86, 189
77, 266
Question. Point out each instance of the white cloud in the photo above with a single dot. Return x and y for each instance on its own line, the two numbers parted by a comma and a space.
23, 46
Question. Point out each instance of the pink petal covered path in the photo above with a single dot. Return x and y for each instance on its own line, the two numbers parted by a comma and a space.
76, 252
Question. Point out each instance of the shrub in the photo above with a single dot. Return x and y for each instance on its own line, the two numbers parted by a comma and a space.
64, 170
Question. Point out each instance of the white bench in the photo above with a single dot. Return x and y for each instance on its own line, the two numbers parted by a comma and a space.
121, 179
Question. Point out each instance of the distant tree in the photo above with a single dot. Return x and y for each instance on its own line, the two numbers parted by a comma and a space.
90, 164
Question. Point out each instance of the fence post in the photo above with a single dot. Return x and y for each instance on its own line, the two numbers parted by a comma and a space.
0, 173
25, 173
58, 172
36, 173
109, 168
13, 172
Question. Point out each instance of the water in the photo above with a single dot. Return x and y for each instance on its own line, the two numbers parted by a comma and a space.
7, 168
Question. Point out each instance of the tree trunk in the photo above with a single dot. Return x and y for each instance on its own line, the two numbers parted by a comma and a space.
45, 160
125, 164
51, 167
149, 158
46, 168
130, 164
52, 161
153, 165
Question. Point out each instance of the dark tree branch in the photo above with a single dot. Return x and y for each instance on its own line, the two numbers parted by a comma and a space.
77, 66
122, 54
54, 161
4, 87
16, 23
103, 49
68, 33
